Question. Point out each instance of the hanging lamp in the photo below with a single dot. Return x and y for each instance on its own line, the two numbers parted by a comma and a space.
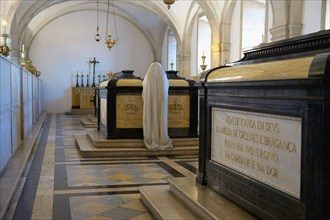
108, 39
97, 36
169, 3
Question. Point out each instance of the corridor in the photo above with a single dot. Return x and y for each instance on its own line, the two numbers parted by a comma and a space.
60, 184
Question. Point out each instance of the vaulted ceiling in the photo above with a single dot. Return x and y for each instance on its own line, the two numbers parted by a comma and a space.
27, 17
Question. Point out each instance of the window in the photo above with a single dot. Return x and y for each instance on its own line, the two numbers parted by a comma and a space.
204, 43
171, 51
253, 27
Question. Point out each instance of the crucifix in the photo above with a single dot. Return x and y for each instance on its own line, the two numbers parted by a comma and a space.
94, 62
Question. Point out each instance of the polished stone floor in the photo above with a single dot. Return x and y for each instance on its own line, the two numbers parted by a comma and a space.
61, 184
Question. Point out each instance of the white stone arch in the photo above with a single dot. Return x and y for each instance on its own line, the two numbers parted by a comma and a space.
225, 30
211, 14
184, 53
23, 35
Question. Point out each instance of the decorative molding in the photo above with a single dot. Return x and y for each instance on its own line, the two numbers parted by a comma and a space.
305, 43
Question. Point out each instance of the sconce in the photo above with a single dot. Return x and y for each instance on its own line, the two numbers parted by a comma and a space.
4, 49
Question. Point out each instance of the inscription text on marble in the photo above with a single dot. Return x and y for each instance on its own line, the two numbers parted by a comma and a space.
263, 146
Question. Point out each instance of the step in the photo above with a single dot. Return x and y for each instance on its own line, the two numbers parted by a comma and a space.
100, 140
205, 201
87, 123
92, 118
88, 149
164, 205
83, 111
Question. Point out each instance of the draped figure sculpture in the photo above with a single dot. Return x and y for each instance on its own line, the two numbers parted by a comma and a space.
155, 109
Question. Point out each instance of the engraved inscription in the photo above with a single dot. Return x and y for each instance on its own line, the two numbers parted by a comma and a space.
178, 111
263, 146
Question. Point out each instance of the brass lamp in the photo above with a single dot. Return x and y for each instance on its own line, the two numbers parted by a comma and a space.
110, 43
203, 66
97, 36
4, 49
169, 3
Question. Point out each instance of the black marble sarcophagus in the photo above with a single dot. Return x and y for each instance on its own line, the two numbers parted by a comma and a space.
265, 129
120, 107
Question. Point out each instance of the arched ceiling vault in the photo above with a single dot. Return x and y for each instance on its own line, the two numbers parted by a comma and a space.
33, 15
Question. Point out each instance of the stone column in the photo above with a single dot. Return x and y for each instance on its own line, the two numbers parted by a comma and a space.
184, 65
225, 53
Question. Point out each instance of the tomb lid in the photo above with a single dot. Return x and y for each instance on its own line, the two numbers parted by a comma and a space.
104, 83
126, 74
297, 68
176, 81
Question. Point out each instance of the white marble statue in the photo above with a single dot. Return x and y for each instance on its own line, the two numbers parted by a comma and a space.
155, 109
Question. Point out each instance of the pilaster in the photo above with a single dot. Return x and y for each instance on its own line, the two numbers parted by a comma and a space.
225, 53
285, 31
184, 65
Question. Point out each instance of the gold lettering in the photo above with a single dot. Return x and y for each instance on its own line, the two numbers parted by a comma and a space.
260, 139
226, 131
267, 155
272, 171
233, 145
239, 159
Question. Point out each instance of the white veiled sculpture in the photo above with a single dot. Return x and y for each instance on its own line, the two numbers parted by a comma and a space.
155, 109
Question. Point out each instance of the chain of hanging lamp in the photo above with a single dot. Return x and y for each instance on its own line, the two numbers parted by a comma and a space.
108, 40
97, 36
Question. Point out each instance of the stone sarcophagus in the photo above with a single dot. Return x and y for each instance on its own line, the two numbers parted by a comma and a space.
120, 107
264, 129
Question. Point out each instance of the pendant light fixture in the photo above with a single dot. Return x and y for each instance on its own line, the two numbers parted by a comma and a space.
169, 3
108, 39
97, 36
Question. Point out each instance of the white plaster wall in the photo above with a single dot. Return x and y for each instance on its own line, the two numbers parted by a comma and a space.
63, 48
311, 16
253, 24
204, 44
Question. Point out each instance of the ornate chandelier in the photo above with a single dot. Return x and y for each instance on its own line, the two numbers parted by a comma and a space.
108, 39
169, 3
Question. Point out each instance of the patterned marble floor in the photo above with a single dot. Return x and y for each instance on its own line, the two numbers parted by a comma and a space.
63, 185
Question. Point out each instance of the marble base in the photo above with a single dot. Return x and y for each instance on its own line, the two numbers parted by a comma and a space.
79, 111
185, 199
95, 144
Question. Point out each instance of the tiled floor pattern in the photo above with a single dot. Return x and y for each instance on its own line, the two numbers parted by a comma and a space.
72, 187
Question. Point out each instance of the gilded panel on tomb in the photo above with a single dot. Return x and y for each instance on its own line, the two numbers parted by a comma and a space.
179, 111
129, 111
